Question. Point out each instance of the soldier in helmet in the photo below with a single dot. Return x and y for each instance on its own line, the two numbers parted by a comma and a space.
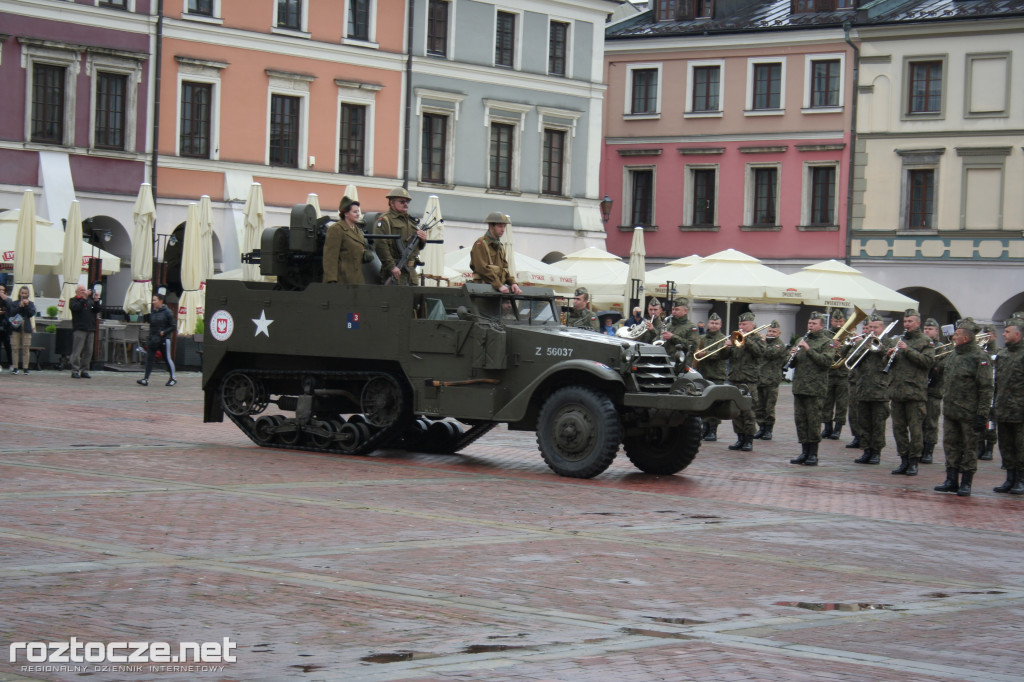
398, 221
580, 315
487, 259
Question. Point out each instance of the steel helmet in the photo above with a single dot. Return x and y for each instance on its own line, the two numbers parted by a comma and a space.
398, 193
497, 217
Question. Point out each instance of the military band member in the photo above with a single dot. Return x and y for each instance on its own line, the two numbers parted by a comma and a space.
769, 378
852, 418
1008, 410
713, 369
871, 393
966, 399
654, 322
932, 330
744, 373
811, 358
912, 356
837, 398
487, 258
345, 248
680, 334
581, 316
989, 437
398, 221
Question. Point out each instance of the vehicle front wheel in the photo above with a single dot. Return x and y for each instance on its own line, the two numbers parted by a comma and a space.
578, 432
665, 450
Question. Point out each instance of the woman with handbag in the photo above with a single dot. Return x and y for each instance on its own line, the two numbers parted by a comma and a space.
21, 331
6, 309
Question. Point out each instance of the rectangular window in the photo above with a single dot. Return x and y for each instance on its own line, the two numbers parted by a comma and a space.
359, 19
111, 92
196, 115
557, 46
666, 10
765, 180
501, 156
825, 83
704, 197
434, 147
284, 131
554, 162
437, 28
925, 88
702, 9
706, 81
353, 139
48, 103
767, 86
642, 196
289, 14
505, 40
921, 199
823, 195
115, 4
201, 7
645, 91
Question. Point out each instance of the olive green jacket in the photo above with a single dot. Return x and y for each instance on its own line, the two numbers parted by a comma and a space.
1009, 405
968, 387
908, 376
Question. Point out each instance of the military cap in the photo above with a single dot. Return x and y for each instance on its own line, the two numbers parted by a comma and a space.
1019, 314
775, 324
911, 312
346, 203
838, 314
875, 317
681, 301
654, 301
747, 317
1015, 321
497, 218
815, 315
969, 325
398, 193
582, 291
714, 316
931, 322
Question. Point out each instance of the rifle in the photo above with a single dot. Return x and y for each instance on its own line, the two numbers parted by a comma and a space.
430, 222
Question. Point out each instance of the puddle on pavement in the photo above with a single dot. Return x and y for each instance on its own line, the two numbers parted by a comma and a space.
307, 668
399, 656
655, 633
676, 621
837, 606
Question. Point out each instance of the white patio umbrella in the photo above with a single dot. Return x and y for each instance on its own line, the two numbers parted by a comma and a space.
433, 254
602, 274
49, 247
25, 246
139, 297
255, 215
658, 278
530, 272
840, 286
190, 307
206, 235
71, 260
314, 201
637, 266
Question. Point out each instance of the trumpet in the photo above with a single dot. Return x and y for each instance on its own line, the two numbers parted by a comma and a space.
870, 344
738, 338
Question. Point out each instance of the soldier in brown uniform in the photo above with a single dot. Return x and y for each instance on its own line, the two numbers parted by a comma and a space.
811, 358
908, 364
398, 221
345, 247
487, 258
713, 369
769, 378
1008, 408
966, 399
744, 373
934, 410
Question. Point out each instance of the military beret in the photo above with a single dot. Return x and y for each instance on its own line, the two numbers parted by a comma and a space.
815, 315
774, 324
931, 322
582, 291
747, 317
911, 312
654, 301
875, 317
683, 301
714, 316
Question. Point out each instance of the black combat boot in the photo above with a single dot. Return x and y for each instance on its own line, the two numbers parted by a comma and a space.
951, 484
1011, 478
703, 430
827, 431
712, 434
926, 453
902, 468
837, 430
911, 468
876, 457
767, 433
748, 444
855, 443
739, 442
1018, 483
983, 453
760, 431
812, 455
866, 457
988, 451
965, 484
804, 454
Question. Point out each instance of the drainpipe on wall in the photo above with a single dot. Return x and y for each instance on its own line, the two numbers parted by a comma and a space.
853, 140
156, 99
408, 95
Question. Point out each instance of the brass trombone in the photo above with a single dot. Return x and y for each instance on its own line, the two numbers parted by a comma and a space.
870, 344
947, 348
738, 338
844, 331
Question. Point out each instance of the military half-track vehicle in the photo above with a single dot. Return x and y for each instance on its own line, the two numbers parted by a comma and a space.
350, 369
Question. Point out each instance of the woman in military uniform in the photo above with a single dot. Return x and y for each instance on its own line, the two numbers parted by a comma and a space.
345, 247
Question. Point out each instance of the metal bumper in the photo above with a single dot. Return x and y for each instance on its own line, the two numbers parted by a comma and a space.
724, 402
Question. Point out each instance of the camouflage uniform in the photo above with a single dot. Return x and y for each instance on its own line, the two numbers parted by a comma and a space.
713, 369
744, 373
908, 395
965, 404
870, 392
769, 377
837, 399
990, 436
934, 409
810, 383
1009, 412
685, 336
390, 250
582, 319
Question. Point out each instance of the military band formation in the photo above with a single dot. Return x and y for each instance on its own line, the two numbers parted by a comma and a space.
840, 376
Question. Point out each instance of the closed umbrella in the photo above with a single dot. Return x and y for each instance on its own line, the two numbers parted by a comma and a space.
139, 297
637, 266
433, 254
314, 201
190, 307
254, 213
352, 192
206, 236
25, 245
71, 260
508, 244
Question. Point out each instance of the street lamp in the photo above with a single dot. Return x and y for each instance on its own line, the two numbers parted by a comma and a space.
606, 208
636, 294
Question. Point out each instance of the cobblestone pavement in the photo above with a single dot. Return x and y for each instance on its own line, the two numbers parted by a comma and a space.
124, 518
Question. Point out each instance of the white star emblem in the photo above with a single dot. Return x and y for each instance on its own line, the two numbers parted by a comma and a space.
263, 324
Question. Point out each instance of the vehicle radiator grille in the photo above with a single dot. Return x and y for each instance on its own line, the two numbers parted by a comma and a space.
654, 373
